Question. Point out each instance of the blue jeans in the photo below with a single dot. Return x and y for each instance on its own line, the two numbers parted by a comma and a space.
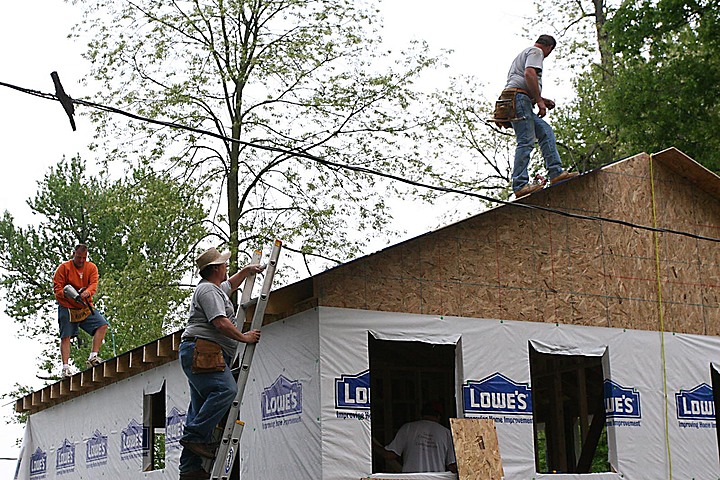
526, 132
211, 395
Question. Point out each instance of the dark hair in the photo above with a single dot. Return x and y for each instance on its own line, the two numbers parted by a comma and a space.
80, 247
433, 409
546, 40
207, 271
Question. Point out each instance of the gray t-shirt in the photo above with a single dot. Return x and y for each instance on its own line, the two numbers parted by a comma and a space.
530, 57
208, 303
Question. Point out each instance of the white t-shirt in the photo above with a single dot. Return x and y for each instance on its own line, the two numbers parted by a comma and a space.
530, 57
425, 446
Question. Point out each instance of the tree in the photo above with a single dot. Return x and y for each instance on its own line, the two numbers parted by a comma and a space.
666, 90
140, 265
297, 75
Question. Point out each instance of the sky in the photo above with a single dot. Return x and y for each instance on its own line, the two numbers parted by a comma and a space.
35, 133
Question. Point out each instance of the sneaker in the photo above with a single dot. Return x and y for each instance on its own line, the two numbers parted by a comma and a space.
66, 373
93, 362
203, 449
565, 175
528, 189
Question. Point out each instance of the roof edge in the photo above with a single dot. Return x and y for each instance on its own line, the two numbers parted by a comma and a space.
685, 167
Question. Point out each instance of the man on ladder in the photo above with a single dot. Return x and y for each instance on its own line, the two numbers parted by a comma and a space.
206, 352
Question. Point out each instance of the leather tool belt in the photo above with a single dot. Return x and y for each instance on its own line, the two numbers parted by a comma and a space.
504, 112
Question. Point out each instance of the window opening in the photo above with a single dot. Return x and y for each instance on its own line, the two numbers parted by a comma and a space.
402, 376
154, 419
568, 413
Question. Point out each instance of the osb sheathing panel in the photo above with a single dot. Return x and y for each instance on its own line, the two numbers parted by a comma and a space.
625, 190
684, 318
477, 449
529, 265
632, 314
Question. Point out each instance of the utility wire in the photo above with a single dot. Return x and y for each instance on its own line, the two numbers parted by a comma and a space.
302, 153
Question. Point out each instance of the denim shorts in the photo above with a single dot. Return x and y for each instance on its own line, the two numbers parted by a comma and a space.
90, 324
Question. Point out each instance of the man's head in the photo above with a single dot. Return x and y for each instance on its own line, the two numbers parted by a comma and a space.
546, 43
432, 409
211, 261
80, 255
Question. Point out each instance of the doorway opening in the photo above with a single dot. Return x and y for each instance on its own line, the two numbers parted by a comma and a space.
404, 375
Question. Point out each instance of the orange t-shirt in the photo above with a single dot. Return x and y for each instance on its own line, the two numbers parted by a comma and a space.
67, 273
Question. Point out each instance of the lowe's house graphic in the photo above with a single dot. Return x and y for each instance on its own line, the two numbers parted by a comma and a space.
352, 396
133, 440
622, 405
497, 394
352, 392
175, 426
96, 452
65, 457
38, 464
282, 399
696, 405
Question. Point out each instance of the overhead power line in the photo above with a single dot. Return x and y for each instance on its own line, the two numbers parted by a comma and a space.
302, 153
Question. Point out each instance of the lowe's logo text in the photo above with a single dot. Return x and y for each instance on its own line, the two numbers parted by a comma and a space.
132, 439
621, 402
352, 392
97, 451
696, 404
65, 457
497, 394
281, 399
174, 426
38, 463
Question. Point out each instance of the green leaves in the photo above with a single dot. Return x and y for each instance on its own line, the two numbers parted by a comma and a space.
666, 89
141, 231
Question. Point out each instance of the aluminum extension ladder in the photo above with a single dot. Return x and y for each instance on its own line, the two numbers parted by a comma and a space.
230, 441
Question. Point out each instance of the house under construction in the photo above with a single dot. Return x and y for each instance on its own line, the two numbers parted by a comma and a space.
591, 340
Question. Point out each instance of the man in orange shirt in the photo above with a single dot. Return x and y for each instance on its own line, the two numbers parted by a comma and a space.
83, 276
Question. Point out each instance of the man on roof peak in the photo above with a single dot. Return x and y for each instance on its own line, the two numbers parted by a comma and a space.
524, 87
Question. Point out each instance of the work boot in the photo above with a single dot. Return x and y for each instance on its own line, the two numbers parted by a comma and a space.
194, 475
528, 189
203, 449
565, 175
93, 362
66, 373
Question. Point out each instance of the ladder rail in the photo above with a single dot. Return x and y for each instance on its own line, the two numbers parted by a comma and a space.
230, 442
244, 302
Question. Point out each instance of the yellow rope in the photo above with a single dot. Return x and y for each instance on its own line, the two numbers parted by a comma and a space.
662, 319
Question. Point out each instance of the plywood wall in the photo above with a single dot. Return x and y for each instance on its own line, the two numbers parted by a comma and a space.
519, 264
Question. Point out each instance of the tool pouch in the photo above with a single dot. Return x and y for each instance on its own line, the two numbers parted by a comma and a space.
79, 314
207, 357
505, 108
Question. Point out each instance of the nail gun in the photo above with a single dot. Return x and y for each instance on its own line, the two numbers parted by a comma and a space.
73, 294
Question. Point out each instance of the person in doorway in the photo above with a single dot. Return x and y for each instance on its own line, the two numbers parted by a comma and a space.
82, 276
212, 331
524, 81
424, 445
